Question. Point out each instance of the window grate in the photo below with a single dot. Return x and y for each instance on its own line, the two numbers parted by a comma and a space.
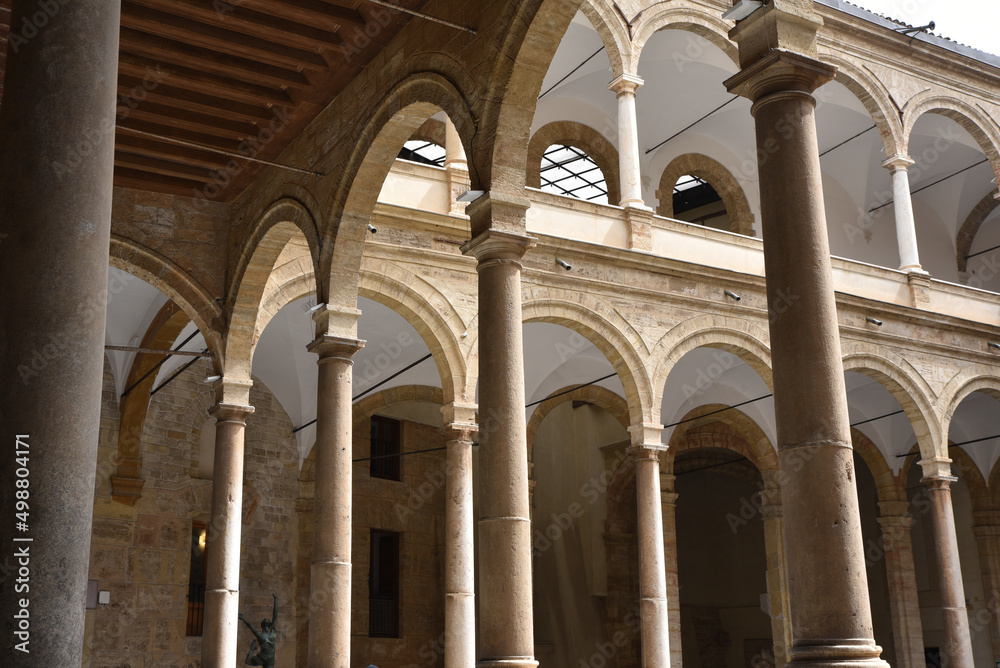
385, 448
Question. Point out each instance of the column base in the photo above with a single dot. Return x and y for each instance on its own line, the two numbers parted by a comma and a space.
511, 662
836, 656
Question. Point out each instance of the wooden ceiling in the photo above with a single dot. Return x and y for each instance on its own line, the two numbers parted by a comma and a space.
202, 81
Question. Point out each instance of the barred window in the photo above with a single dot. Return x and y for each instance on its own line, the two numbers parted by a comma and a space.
383, 585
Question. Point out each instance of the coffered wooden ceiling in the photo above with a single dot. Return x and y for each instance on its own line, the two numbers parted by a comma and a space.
196, 75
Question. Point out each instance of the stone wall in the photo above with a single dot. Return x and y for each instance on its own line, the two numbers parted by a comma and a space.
141, 554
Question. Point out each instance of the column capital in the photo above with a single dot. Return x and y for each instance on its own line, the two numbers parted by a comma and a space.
234, 391
500, 211
459, 412
231, 412
935, 467
939, 482
336, 319
498, 245
891, 522
626, 84
328, 346
898, 163
780, 72
887, 509
647, 435
460, 431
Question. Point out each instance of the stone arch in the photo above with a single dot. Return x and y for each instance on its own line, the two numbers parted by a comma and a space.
700, 429
594, 394
396, 118
972, 119
612, 31
679, 17
372, 404
176, 284
580, 136
889, 487
428, 311
910, 391
281, 223
432, 131
875, 98
499, 156
735, 336
714, 172
611, 340
970, 228
972, 379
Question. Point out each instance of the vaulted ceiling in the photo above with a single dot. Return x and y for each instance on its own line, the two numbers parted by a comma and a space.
202, 82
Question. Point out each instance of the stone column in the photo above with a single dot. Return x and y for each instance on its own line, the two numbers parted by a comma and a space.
777, 581
625, 87
222, 581
459, 574
896, 523
828, 587
954, 615
456, 167
668, 506
653, 611
987, 531
505, 590
57, 130
330, 572
906, 231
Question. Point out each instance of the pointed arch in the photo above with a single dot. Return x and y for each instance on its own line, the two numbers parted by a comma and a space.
402, 112
283, 221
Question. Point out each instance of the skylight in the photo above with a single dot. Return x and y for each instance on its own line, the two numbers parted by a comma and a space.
569, 171
424, 152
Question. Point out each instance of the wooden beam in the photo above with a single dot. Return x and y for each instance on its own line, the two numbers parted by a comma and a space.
132, 90
212, 37
137, 180
188, 120
158, 149
161, 167
201, 82
255, 24
181, 54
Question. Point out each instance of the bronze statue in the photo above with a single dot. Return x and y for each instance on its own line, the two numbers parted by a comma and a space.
267, 636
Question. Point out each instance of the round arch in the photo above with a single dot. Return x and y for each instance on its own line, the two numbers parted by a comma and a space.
911, 392
972, 379
397, 117
970, 228
580, 136
594, 394
971, 119
746, 437
619, 349
176, 284
674, 17
889, 487
973, 477
613, 34
720, 178
735, 336
876, 100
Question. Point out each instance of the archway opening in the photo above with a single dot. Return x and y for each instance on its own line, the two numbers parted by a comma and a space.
725, 607
696, 201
